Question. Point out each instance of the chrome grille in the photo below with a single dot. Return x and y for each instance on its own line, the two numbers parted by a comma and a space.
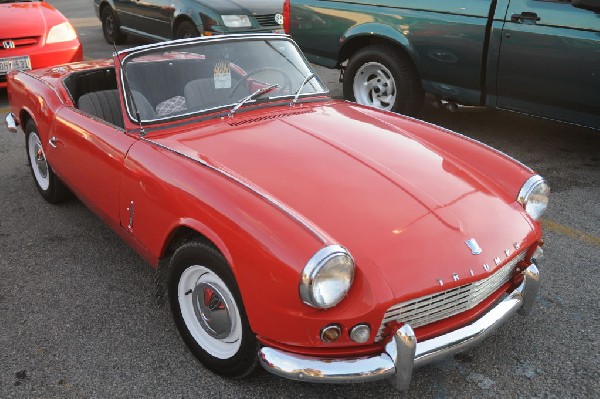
431, 308
266, 20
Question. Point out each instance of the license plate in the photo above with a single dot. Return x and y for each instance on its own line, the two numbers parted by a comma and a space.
14, 64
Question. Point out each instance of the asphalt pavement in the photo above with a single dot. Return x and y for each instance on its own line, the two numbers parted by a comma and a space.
79, 317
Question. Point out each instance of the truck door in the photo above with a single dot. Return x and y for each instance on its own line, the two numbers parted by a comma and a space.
549, 62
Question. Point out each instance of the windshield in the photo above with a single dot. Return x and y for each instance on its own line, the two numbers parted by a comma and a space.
205, 75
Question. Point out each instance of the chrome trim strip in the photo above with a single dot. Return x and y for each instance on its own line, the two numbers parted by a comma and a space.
11, 123
396, 360
134, 50
276, 203
445, 129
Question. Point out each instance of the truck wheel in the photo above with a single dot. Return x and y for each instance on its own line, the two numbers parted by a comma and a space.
208, 311
46, 181
380, 77
111, 27
185, 30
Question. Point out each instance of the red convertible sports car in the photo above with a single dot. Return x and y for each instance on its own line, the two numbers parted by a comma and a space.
34, 35
327, 241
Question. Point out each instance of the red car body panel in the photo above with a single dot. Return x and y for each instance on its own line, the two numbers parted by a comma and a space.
27, 25
187, 174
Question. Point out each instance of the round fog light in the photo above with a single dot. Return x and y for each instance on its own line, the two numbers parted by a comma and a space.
331, 333
360, 333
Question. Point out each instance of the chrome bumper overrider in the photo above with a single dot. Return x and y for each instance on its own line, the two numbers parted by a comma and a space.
11, 123
402, 353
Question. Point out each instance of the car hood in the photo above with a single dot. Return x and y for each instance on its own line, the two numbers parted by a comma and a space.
398, 203
244, 7
27, 19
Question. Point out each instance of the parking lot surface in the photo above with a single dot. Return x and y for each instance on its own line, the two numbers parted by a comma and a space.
79, 316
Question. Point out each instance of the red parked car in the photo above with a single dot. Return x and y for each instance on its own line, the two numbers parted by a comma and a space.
34, 35
346, 243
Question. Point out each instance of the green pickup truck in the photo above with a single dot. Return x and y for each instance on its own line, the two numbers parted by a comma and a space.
540, 57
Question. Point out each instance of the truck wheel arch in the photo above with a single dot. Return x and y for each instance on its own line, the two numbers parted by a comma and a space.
364, 35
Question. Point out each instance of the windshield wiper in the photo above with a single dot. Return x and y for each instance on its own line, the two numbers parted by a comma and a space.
257, 93
304, 82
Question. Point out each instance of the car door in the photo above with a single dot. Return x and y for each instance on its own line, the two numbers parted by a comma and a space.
549, 62
150, 17
88, 154
126, 10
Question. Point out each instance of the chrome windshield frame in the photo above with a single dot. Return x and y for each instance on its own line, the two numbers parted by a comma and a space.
174, 44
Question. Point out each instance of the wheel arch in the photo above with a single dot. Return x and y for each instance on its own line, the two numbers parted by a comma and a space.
186, 230
364, 35
25, 116
104, 4
181, 17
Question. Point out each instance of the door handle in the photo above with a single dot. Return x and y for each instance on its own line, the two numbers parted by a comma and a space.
525, 18
53, 140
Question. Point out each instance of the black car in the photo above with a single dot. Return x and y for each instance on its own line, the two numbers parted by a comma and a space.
178, 19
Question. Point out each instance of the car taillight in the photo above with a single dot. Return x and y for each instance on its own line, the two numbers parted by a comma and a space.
286, 16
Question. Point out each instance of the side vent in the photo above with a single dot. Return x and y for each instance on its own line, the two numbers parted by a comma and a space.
269, 117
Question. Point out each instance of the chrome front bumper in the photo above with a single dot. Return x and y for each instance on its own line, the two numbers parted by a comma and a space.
402, 353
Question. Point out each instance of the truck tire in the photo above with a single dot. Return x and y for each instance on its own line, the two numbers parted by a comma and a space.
381, 77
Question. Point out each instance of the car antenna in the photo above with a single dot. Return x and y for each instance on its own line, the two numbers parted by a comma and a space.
126, 84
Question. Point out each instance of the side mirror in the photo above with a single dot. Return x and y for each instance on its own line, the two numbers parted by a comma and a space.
592, 5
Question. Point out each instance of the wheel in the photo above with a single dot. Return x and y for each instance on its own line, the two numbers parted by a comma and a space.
46, 181
111, 27
185, 30
380, 77
208, 311
286, 81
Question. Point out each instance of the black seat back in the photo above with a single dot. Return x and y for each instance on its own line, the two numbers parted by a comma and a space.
103, 104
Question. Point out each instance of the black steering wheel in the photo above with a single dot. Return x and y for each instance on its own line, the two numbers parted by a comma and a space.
286, 79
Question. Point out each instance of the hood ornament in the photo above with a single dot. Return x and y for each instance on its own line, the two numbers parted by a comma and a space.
473, 246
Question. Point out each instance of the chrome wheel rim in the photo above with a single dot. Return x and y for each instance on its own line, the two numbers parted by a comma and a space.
375, 86
37, 158
210, 312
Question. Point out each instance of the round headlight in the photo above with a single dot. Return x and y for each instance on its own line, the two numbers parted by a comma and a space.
327, 277
534, 196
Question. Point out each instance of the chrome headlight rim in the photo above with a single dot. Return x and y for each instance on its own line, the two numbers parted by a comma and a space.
530, 186
316, 263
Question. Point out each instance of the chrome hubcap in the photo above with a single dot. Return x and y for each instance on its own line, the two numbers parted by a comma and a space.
211, 310
40, 161
39, 165
374, 86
